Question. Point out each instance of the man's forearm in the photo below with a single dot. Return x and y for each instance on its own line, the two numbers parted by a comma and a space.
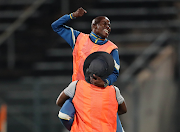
122, 109
58, 24
112, 78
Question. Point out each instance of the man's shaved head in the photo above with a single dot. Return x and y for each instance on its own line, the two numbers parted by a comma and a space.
97, 20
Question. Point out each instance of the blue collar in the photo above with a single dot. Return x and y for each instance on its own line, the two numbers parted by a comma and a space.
97, 39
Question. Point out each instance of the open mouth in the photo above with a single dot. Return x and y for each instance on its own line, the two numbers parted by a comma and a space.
106, 31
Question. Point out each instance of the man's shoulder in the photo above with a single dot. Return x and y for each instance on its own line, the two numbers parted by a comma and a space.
83, 34
112, 44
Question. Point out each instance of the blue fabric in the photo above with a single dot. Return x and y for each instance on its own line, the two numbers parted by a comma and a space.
119, 125
68, 108
63, 30
97, 38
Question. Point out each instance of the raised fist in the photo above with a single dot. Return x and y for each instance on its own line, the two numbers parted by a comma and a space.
79, 12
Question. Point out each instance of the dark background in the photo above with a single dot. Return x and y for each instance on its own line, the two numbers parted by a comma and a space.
36, 63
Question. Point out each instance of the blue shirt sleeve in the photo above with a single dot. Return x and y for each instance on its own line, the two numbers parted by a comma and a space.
113, 77
67, 33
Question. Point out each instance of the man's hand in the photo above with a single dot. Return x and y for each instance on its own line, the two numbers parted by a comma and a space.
79, 12
97, 81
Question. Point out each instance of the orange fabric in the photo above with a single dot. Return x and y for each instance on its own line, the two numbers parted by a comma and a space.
96, 108
83, 48
3, 118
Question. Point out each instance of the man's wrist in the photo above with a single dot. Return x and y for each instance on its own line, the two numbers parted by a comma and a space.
106, 83
71, 16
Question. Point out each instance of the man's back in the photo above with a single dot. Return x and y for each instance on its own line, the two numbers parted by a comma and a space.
96, 108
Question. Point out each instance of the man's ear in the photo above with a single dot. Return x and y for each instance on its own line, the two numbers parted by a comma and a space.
94, 27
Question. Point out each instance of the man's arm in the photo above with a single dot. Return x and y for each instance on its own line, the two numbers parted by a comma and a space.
122, 109
67, 33
66, 94
111, 78
61, 99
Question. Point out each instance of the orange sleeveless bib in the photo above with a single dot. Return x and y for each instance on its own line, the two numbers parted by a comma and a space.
96, 108
83, 48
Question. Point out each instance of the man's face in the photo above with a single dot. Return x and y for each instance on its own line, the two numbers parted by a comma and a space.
103, 28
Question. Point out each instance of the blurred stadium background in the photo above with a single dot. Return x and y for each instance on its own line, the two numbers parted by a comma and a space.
36, 64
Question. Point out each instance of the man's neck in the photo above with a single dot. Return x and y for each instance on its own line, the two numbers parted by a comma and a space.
97, 39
